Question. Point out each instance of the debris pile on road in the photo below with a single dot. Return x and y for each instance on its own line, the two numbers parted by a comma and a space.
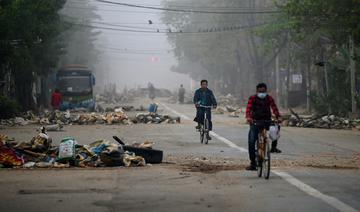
54, 121
231, 111
149, 118
40, 153
321, 121
101, 109
228, 99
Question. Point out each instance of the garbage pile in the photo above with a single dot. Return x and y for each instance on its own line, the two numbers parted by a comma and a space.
128, 108
154, 118
54, 121
40, 153
228, 99
230, 110
321, 121
231, 105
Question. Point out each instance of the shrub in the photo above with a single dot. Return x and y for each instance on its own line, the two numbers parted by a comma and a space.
8, 108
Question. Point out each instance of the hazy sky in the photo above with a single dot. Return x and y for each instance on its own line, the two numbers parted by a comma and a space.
143, 57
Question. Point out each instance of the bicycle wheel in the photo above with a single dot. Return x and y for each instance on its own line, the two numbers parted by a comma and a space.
266, 162
259, 160
206, 131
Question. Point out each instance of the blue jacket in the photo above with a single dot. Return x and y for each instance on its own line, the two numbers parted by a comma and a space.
205, 97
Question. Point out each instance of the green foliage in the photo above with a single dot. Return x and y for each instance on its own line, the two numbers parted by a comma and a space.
30, 44
232, 58
8, 108
320, 102
318, 30
339, 96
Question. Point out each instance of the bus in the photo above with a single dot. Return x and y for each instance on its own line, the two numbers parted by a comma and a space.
76, 84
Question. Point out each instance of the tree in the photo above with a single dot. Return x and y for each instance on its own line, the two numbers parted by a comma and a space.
224, 45
318, 33
29, 43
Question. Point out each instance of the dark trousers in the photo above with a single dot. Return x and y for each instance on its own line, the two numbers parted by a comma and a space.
253, 136
181, 99
200, 113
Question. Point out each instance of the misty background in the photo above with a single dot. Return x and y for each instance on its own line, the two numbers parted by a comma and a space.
128, 59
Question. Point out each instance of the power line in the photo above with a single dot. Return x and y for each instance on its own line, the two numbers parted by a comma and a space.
146, 23
173, 5
134, 51
188, 10
110, 10
125, 26
169, 31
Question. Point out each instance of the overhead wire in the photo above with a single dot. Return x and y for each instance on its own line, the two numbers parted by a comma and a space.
135, 51
173, 5
188, 10
169, 31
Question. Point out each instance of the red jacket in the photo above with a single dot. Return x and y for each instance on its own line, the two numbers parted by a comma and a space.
259, 109
56, 99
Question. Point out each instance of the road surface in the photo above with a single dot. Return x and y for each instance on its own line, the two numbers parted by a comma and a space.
317, 171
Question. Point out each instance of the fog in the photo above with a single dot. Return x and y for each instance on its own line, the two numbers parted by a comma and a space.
234, 44
131, 59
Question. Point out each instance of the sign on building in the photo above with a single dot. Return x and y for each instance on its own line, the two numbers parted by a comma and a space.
297, 79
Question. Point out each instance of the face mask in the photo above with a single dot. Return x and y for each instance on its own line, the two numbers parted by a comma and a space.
261, 95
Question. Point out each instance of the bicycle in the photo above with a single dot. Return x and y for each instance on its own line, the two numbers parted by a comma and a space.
263, 158
204, 128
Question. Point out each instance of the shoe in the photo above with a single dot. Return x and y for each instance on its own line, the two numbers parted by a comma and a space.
275, 150
251, 168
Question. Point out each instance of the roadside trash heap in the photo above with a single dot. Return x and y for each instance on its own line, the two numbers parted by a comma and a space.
232, 106
154, 118
127, 108
55, 120
230, 110
40, 153
321, 121
228, 99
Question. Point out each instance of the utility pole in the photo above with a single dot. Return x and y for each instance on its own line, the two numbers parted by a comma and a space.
352, 76
308, 85
277, 75
326, 81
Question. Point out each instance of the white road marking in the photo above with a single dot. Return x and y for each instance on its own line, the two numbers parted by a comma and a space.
175, 112
340, 206
228, 142
332, 201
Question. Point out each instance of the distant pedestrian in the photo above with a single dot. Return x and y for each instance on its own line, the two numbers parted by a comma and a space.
181, 94
56, 99
151, 89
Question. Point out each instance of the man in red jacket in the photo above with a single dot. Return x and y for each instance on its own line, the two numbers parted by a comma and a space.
259, 109
56, 99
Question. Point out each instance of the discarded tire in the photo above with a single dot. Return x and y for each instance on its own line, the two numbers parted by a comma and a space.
150, 155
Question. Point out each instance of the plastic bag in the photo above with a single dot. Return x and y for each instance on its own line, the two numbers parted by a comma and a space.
274, 132
67, 149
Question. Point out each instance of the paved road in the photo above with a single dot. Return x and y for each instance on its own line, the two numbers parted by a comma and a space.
318, 171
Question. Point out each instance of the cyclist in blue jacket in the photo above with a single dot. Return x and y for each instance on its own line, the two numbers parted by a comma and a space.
205, 97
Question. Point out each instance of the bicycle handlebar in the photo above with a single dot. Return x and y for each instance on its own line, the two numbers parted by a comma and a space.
263, 122
205, 106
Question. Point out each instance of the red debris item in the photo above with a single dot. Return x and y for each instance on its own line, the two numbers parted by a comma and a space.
8, 156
